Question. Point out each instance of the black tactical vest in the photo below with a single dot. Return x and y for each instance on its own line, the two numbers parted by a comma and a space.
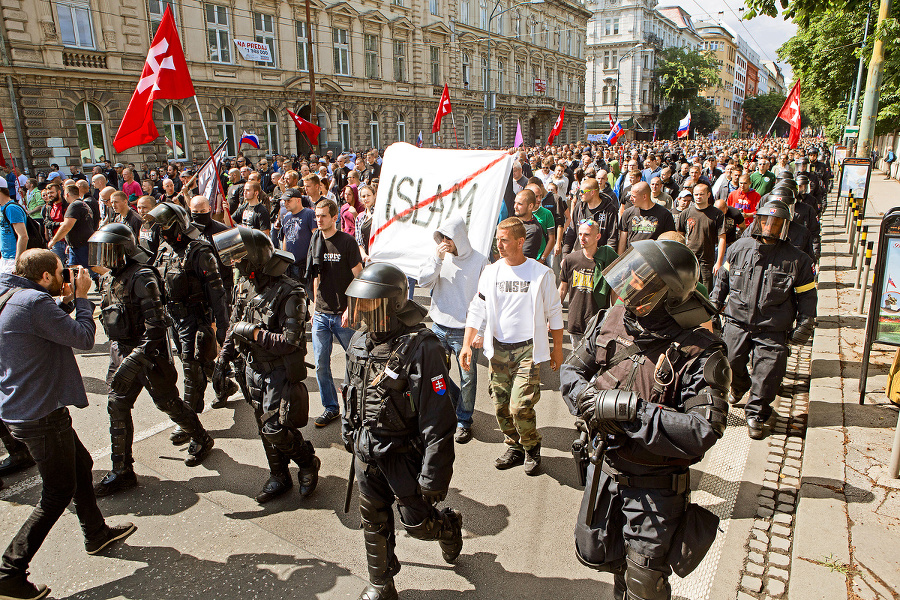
184, 288
265, 309
120, 309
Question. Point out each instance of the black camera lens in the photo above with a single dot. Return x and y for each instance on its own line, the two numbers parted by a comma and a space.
67, 275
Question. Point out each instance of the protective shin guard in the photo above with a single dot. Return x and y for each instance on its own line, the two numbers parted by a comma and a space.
378, 531
194, 385
643, 582
289, 442
445, 527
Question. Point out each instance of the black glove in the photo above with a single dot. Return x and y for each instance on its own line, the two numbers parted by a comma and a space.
605, 411
803, 331
219, 376
432, 496
244, 331
347, 438
130, 367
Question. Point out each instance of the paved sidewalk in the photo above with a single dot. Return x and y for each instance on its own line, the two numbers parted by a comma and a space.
848, 518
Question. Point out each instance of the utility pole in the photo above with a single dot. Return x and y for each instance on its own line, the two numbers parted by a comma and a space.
873, 89
859, 71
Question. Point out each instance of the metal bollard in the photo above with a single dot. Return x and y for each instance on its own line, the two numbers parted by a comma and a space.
858, 250
851, 203
894, 467
864, 285
868, 257
854, 227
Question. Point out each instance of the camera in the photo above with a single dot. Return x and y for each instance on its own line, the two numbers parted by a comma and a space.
70, 275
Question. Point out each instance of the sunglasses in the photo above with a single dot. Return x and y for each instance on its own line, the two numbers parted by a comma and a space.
590, 222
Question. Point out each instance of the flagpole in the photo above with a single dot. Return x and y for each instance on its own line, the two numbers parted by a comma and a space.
13, 160
452, 116
215, 165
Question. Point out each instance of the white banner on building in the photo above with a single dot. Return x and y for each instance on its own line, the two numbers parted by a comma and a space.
254, 51
421, 188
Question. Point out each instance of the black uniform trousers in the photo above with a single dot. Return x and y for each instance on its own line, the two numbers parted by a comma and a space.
395, 476
275, 400
195, 365
160, 381
769, 352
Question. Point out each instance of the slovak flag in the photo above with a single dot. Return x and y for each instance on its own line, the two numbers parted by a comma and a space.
891, 282
614, 134
684, 126
249, 138
419, 140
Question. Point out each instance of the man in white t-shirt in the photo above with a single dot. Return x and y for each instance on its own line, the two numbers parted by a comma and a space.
516, 301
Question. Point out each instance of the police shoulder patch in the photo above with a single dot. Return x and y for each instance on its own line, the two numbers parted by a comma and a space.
439, 385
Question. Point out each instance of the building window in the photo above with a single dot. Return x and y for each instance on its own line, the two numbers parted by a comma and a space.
501, 72
371, 44
485, 130
91, 133
569, 43
265, 34
75, 25
435, 65
611, 26
433, 7
399, 60
518, 79
568, 91
397, 2
500, 132
341, 39
156, 9
401, 128
464, 12
482, 14
303, 47
373, 131
225, 118
174, 130
606, 59
485, 84
559, 88
532, 26
466, 70
517, 25
498, 20
344, 130
271, 131
467, 132
218, 36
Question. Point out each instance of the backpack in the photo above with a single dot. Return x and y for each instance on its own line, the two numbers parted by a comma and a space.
35, 235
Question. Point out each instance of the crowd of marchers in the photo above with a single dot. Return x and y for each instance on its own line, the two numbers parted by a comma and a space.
682, 272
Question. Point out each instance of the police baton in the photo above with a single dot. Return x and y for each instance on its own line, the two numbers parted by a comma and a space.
350, 478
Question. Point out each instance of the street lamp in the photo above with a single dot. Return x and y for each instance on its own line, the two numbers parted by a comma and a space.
618, 69
487, 84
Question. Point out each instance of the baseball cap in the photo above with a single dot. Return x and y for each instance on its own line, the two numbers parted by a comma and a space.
684, 193
117, 165
291, 193
3, 183
53, 175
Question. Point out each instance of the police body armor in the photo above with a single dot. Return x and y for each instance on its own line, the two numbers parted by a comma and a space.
377, 396
654, 372
120, 308
183, 287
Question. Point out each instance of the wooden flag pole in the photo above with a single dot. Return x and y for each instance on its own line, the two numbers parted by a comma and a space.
228, 220
455, 134
12, 160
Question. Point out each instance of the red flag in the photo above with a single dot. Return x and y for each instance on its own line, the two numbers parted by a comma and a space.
444, 109
311, 131
790, 113
165, 76
557, 128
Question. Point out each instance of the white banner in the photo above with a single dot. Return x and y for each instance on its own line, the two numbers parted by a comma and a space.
254, 51
421, 188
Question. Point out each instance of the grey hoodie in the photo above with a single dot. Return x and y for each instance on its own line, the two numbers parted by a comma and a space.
453, 281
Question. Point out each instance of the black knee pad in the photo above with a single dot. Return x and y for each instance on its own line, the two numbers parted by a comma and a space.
118, 411
643, 581
375, 514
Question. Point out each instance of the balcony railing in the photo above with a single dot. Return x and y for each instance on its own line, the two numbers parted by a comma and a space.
84, 60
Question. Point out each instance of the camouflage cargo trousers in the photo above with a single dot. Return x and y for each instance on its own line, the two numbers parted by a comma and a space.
515, 389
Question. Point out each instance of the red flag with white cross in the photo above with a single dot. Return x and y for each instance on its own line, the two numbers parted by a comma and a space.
165, 77
557, 128
443, 110
790, 113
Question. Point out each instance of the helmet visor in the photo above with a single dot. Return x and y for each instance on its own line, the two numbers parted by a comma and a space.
769, 227
373, 314
230, 246
635, 282
106, 254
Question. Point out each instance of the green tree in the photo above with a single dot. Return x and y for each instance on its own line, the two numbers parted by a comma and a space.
682, 74
704, 117
761, 111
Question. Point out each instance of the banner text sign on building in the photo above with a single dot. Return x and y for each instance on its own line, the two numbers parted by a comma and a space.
255, 51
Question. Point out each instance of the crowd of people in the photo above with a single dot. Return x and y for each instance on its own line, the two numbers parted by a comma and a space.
681, 271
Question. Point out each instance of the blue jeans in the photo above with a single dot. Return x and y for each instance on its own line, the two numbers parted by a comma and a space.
59, 249
463, 398
65, 468
324, 326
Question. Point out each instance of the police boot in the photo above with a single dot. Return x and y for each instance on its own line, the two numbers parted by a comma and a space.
445, 527
308, 476
378, 532
385, 591
221, 401
179, 436
122, 476
279, 478
201, 445
19, 457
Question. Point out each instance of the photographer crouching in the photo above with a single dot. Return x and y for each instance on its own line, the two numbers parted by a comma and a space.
39, 380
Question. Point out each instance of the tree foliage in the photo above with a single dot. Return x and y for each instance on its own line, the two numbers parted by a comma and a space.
704, 117
683, 73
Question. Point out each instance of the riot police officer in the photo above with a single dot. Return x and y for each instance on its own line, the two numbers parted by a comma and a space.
770, 286
649, 386
133, 316
268, 330
195, 296
398, 422
803, 195
801, 214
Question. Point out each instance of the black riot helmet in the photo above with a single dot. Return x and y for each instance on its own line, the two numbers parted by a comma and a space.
782, 193
784, 175
790, 184
174, 222
660, 271
112, 245
251, 251
772, 222
378, 299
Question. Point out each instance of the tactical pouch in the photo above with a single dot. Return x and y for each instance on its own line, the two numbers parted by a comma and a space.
115, 321
295, 405
692, 540
295, 367
205, 348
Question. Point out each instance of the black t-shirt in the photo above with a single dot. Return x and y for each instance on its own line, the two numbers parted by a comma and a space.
534, 238
639, 224
702, 229
733, 218
149, 239
84, 223
255, 217
577, 270
133, 220
557, 208
94, 204
336, 272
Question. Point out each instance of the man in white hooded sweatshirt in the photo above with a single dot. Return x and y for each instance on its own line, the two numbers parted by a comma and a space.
515, 305
452, 276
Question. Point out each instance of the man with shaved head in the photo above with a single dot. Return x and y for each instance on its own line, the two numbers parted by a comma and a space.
644, 219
